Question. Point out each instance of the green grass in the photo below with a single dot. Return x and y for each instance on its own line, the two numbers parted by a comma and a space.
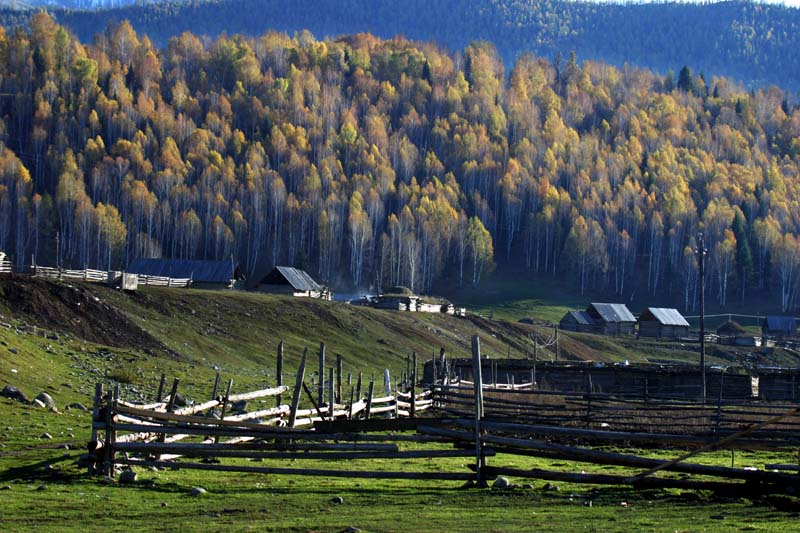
239, 334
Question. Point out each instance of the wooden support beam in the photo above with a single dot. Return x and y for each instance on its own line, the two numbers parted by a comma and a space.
321, 398
369, 399
279, 371
477, 376
298, 386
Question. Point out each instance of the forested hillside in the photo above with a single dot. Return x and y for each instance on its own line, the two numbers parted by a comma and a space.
367, 160
753, 42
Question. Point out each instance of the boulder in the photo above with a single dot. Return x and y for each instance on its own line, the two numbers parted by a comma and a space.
13, 393
198, 491
46, 399
337, 500
501, 483
239, 407
127, 476
77, 406
180, 400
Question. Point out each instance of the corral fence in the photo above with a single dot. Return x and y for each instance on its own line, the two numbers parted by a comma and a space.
447, 418
94, 276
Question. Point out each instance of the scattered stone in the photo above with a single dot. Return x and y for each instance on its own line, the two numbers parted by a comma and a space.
13, 393
153, 469
107, 480
41, 488
65, 446
164, 504
78, 406
501, 483
717, 517
128, 476
39, 403
551, 487
239, 407
180, 400
337, 500
527, 486
47, 436
198, 491
46, 399
5, 487
351, 529
13, 350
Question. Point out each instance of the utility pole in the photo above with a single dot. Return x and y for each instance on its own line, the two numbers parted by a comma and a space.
701, 259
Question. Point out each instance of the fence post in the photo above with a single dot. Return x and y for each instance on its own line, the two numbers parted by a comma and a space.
108, 447
98, 399
358, 386
160, 393
279, 372
224, 406
339, 378
370, 390
588, 399
216, 387
352, 399
321, 399
331, 397
298, 386
413, 411
478, 387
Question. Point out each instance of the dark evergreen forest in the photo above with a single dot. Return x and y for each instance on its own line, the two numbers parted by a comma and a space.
755, 43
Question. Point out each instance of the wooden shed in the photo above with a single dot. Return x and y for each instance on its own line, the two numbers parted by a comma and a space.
204, 274
292, 282
612, 319
779, 326
579, 321
663, 323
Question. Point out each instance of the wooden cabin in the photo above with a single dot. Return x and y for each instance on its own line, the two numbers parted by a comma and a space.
780, 327
291, 281
663, 323
579, 321
213, 275
612, 319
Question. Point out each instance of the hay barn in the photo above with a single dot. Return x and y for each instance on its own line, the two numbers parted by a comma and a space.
579, 321
662, 323
779, 326
291, 281
612, 319
204, 274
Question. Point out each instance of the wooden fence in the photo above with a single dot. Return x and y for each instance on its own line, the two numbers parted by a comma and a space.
103, 276
477, 421
161, 432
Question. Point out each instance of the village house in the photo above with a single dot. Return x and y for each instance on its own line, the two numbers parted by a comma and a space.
291, 281
612, 319
403, 299
579, 321
779, 327
215, 275
663, 323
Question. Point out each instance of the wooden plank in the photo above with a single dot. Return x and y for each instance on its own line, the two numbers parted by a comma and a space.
272, 391
330, 456
297, 389
446, 476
